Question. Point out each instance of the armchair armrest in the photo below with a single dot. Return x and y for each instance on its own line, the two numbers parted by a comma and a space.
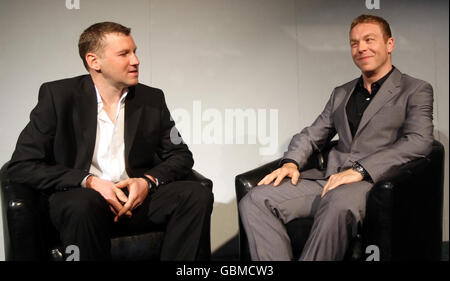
196, 176
404, 209
379, 220
24, 224
382, 191
246, 181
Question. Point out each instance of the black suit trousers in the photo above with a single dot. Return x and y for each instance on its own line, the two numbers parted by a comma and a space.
182, 208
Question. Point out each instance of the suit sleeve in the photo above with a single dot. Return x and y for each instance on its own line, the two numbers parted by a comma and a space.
311, 138
176, 157
416, 139
32, 162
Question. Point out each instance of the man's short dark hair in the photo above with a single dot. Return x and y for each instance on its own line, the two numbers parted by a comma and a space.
384, 25
91, 40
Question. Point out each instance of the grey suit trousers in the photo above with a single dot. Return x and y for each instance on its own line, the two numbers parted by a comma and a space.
266, 209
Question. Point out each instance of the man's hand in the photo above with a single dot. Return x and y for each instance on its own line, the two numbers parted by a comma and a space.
110, 192
137, 191
347, 176
288, 169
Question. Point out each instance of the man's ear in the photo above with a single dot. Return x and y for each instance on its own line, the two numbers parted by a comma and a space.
390, 45
93, 61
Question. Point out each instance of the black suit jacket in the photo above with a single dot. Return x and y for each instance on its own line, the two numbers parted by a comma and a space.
55, 149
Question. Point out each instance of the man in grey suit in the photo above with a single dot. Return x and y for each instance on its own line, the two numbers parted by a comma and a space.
383, 120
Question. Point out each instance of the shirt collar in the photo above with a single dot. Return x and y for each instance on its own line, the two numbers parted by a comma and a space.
100, 101
375, 86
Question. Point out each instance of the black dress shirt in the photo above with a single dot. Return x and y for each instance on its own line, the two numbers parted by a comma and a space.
360, 100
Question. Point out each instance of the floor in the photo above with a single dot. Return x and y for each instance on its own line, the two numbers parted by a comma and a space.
444, 256
229, 252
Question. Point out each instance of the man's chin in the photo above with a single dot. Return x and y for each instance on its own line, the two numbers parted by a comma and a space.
127, 84
132, 82
366, 68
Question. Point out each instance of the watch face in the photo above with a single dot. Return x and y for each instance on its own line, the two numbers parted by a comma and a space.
359, 169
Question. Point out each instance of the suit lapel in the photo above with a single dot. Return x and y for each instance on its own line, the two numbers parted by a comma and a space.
343, 111
388, 90
133, 110
85, 114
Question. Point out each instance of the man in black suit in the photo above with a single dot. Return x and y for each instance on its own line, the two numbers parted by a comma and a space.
108, 154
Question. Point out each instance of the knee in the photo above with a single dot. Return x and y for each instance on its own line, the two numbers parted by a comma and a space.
257, 197
244, 204
203, 194
198, 195
80, 204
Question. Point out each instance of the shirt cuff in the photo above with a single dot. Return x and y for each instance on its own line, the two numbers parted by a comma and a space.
83, 182
156, 179
287, 160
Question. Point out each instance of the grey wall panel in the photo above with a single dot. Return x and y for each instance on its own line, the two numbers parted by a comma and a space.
219, 57
227, 55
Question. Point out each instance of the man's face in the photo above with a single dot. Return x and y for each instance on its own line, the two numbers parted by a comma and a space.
118, 61
370, 52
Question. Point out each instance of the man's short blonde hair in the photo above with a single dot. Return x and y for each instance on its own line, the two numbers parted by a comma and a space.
91, 40
384, 25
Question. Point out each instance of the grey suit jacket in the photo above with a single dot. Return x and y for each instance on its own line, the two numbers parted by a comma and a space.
396, 127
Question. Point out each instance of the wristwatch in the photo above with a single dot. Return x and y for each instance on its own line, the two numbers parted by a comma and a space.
152, 187
360, 169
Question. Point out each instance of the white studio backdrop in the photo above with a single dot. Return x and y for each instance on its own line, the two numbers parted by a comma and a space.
241, 77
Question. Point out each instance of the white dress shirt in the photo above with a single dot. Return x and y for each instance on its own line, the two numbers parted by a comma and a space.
108, 161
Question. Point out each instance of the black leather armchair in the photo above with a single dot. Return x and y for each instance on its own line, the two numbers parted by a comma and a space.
30, 235
403, 213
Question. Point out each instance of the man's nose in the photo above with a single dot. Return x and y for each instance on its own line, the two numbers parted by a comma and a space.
134, 60
362, 46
